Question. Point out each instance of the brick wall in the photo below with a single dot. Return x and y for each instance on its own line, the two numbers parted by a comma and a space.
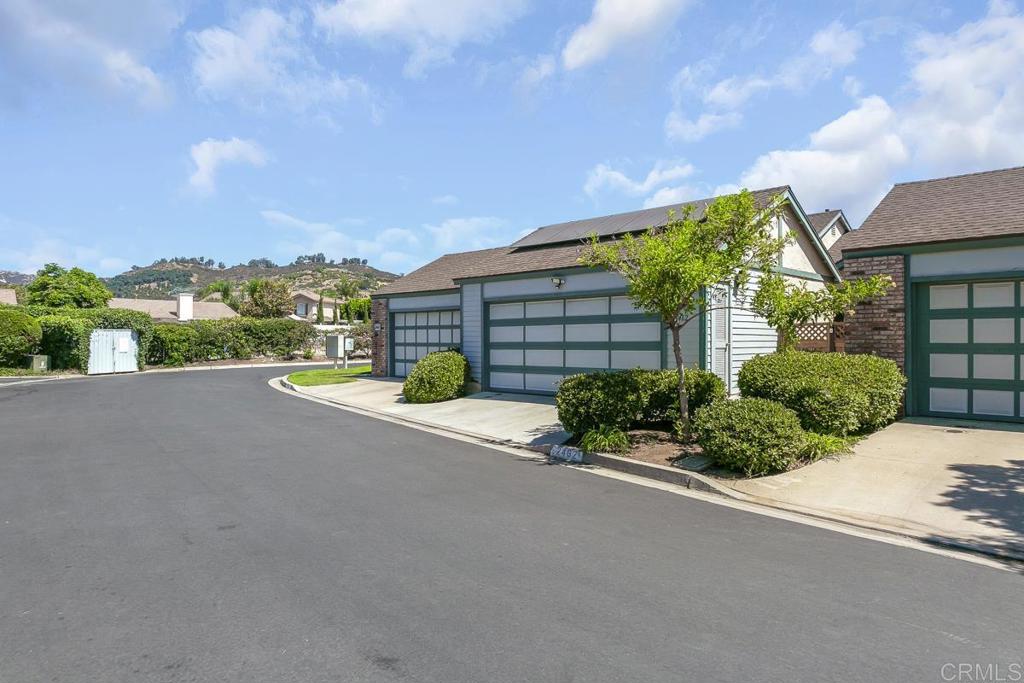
878, 326
379, 359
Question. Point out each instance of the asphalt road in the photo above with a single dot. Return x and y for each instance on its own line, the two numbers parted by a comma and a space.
203, 527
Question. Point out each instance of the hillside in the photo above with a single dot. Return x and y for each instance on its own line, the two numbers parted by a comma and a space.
165, 278
12, 277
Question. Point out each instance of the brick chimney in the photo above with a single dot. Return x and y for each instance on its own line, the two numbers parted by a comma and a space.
184, 307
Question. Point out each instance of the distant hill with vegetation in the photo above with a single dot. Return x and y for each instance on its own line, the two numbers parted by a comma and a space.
166, 277
13, 277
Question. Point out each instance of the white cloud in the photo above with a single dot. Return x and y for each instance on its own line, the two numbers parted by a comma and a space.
616, 23
445, 200
87, 45
964, 112
32, 247
830, 48
603, 177
395, 249
672, 195
210, 154
536, 72
431, 29
261, 59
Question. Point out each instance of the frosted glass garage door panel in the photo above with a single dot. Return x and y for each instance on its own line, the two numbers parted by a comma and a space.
506, 311
421, 318
399, 336
586, 358
421, 351
545, 309
586, 306
622, 305
993, 294
547, 358
947, 331
507, 380
592, 332
947, 296
993, 330
542, 382
506, 357
434, 318
625, 360
456, 318
948, 365
421, 336
400, 370
993, 366
456, 336
947, 400
990, 402
433, 336
543, 333
507, 334
446, 317
629, 332
446, 336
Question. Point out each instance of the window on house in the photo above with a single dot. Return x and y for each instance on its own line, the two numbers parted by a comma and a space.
301, 309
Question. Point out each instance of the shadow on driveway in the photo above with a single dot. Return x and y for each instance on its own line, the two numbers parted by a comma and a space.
991, 495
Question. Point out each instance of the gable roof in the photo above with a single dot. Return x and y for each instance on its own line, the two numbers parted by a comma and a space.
823, 220
965, 207
444, 273
167, 309
8, 296
631, 221
315, 297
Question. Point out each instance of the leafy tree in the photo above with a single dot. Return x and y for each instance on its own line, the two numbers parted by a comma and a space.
669, 270
786, 305
266, 299
56, 287
226, 290
221, 265
334, 316
320, 310
346, 288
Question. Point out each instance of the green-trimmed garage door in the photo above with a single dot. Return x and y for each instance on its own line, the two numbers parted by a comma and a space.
967, 360
417, 333
531, 345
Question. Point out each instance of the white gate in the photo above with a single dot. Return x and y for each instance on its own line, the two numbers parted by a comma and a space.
113, 351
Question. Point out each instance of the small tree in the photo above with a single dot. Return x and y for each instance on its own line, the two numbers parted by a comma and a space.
59, 288
334, 316
786, 305
320, 310
669, 270
266, 299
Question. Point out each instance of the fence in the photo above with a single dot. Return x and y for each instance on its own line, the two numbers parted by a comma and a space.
821, 337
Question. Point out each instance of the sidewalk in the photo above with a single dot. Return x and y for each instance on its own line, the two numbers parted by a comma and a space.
506, 418
953, 482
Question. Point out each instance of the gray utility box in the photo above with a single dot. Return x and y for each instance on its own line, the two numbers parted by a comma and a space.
334, 346
38, 363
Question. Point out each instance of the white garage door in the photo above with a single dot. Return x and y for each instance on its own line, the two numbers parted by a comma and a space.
532, 345
969, 354
415, 334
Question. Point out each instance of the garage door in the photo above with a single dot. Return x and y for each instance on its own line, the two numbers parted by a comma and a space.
968, 350
531, 345
415, 334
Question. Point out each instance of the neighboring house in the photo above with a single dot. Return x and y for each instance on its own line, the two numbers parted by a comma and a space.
830, 225
955, 320
180, 309
528, 314
8, 296
306, 303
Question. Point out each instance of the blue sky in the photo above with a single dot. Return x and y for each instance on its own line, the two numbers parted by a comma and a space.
398, 130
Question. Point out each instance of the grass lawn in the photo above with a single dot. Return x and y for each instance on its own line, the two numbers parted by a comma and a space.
316, 378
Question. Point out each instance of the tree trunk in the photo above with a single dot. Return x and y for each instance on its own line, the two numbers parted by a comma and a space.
684, 400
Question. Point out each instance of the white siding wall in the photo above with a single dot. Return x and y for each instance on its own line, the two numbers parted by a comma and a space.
751, 334
413, 302
967, 261
472, 327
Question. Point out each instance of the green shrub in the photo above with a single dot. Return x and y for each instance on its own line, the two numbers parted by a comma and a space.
630, 398
833, 393
438, 376
753, 435
66, 341
818, 446
20, 335
173, 344
605, 439
90, 318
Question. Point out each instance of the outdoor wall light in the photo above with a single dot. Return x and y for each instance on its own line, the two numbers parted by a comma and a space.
557, 282
376, 328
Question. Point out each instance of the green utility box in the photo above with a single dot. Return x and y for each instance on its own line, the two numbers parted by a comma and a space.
37, 363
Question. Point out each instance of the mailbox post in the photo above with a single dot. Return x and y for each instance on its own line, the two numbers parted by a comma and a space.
338, 347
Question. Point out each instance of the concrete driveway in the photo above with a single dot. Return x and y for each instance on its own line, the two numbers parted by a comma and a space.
946, 480
513, 418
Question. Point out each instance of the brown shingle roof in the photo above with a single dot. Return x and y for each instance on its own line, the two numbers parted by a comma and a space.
964, 207
821, 220
559, 246
167, 309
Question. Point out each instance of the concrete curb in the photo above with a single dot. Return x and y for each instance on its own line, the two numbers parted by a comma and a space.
239, 366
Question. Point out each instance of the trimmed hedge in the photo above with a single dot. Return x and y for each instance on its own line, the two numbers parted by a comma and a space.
20, 335
438, 376
753, 435
625, 399
832, 393
66, 332
242, 338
